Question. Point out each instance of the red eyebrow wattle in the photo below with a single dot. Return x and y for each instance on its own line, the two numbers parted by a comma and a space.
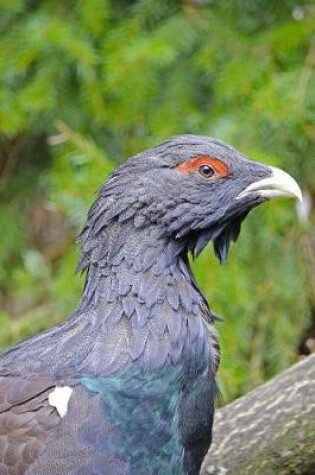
195, 163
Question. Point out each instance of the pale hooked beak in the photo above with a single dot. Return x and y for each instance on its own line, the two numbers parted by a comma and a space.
279, 184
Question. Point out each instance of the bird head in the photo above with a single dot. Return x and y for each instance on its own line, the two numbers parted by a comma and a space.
194, 189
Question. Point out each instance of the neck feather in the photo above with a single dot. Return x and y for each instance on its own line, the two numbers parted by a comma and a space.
144, 303
140, 306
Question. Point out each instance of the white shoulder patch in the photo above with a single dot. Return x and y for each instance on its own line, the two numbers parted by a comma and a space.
59, 399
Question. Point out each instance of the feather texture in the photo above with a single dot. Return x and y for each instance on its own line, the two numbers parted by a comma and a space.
140, 353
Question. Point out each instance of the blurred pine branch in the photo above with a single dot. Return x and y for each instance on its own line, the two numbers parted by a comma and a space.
85, 84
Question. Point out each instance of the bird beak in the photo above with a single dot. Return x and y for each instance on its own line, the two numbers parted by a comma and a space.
279, 184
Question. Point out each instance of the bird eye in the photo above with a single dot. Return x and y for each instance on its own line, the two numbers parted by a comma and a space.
206, 171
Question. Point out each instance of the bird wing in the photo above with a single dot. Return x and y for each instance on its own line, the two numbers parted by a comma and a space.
36, 438
104, 428
27, 421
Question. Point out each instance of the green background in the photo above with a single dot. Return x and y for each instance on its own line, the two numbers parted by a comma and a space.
84, 84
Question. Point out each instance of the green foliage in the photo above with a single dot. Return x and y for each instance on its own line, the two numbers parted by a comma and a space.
99, 80
261, 297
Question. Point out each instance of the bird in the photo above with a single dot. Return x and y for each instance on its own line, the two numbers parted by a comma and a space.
127, 384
